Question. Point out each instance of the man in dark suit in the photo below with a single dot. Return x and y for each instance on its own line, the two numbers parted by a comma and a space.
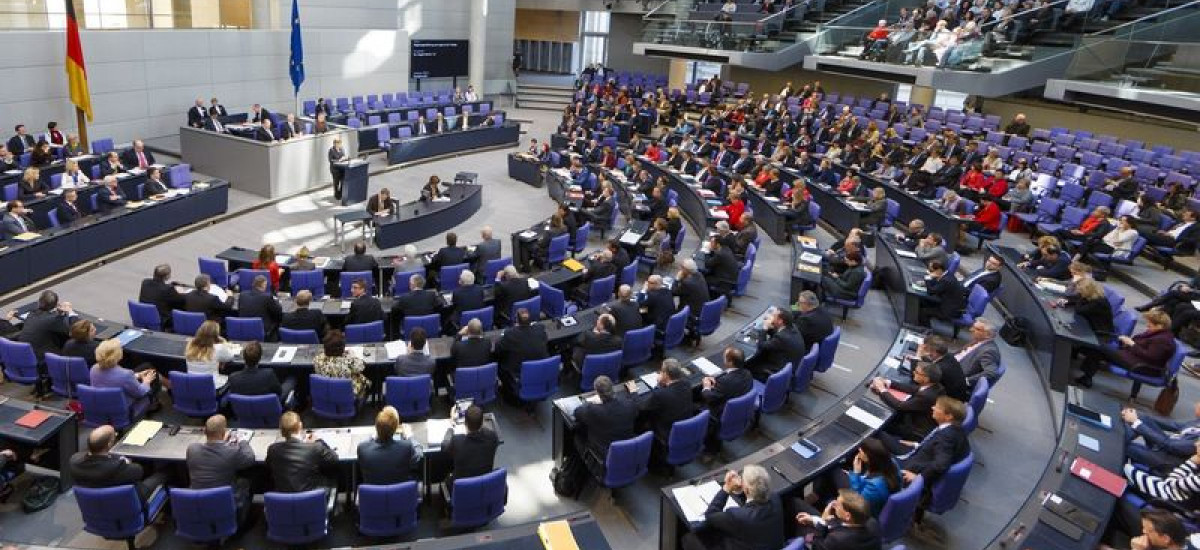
721, 268
813, 322
16, 220
305, 318
911, 421
256, 301
946, 296
756, 522
779, 345
217, 461
251, 380
68, 210
734, 381
1164, 444
670, 401
467, 297
511, 289
846, 524
613, 419
1053, 264
213, 124
625, 311
473, 453
601, 211
337, 170
264, 132
386, 459
489, 248
691, 288
198, 114
472, 349
20, 142
98, 468
360, 260
418, 301
600, 339
364, 308
987, 277
981, 357
299, 463
1182, 232
216, 109
199, 300
138, 156
47, 327
154, 184
159, 291
845, 285
291, 128
448, 255
259, 114
415, 362
934, 349
945, 445
111, 165
658, 303
525, 341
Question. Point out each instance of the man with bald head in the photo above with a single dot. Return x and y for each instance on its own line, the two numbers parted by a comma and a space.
626, 311
217, 461
98, 468
489, 248
657, 301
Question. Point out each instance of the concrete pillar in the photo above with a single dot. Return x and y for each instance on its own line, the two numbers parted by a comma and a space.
678, 74
266, 15
478, 45
923, 95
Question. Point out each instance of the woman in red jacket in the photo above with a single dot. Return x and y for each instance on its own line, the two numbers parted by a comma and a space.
266, 260
988, 216
734, 210
1146, 353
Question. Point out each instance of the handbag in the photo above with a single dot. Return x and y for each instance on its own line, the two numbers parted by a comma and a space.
1014, 331
1164, 405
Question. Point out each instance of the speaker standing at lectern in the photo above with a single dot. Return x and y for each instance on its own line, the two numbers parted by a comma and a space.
337, 155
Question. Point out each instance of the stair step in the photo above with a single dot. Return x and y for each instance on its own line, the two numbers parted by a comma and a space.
540, 105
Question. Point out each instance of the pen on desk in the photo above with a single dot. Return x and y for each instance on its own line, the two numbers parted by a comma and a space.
776, 469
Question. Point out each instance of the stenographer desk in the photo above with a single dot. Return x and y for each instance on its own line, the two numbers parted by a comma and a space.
268, 169
60, 248
416, 148
368, 136
525, 169
1053, 332
414, 221
60, 431
833, 431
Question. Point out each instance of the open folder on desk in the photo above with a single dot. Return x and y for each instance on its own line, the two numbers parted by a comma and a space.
1098, 476
284, 354
143, 432
694, 499
557, 535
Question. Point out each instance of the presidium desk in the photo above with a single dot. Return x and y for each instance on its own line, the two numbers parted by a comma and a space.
268, 169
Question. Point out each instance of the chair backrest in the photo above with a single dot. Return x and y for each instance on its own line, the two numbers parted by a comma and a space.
332, 397
775, 391
400, 282
111, 512
186, 322
20, 362
361, 333
676, 326
828, 349
802, 375
628, 460
411, 395
897, 515
448, 276
104, 406
292, 336
476, 383
144, 316
204, 515
638, 345
581, 237
245, 328
1115, 299
255, 411
979, 395
946, 491
194, 394
492, 267
710, 316
216, 270
1123, 325
485, 315
347, 278
66, 373
432, 324
686, 440
533, 305
597, 364
554, 301
311, 280
245, 277
388, 510
539, 378
601, 290
296, 518
557, 252
738, 416
478, 500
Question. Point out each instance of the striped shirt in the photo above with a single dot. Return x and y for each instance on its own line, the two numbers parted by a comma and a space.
1181, 487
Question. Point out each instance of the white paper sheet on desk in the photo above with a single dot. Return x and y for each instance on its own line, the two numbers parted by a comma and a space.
651, 379
1052, 287
914, 338
1089, 442
719, 214
442, 199
707, 194
772, 199
533, 283
865, 417
346, 304
435, 429
562, 172
143, 432
906, 254
284, 354
629, 237
693, 500
891, 363
400, 347
707, 367
355, 351
320, 262
810, 258
528, 234
219, 292
338, 439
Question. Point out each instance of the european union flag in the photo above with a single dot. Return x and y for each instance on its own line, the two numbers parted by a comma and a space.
296, 67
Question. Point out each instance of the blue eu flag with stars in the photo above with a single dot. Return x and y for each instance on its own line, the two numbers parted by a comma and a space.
296, 67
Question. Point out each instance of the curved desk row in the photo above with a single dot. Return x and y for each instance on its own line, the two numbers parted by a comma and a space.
458, 141
418, 220
368, 136
129, 182
57, 249
584, 528
447, 109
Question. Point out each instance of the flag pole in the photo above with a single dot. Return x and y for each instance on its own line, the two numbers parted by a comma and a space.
81, 120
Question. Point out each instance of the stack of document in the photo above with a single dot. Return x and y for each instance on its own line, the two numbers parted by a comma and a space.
694, 499
707, 367
809, 257
143, 432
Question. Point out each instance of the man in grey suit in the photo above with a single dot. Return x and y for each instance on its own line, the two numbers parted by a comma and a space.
416, 362
981, 357
16, 220
386, 459
487, 249
217, 461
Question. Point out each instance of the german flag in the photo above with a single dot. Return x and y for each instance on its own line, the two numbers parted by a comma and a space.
76, 73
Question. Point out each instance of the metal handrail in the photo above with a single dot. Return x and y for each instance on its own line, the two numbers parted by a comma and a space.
656, 8
1142, 19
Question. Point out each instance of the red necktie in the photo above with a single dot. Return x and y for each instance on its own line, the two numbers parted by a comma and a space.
141, 160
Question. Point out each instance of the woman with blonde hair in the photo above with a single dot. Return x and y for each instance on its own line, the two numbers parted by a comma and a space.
31, 185
73, 176
141, 388
207, 352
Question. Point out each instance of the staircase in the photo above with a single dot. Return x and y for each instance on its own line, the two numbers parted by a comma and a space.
544, 97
